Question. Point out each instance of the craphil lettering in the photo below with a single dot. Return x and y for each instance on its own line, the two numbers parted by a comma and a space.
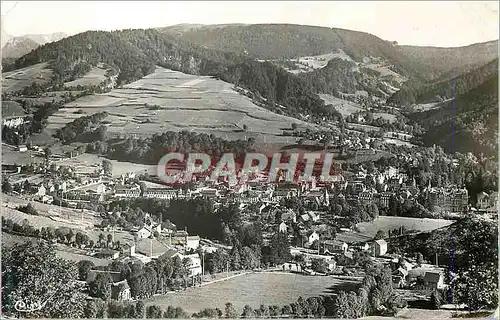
290, 167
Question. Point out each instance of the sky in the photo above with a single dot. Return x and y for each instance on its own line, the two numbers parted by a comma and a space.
429, 23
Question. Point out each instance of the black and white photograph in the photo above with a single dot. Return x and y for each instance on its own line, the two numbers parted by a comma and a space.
249, 159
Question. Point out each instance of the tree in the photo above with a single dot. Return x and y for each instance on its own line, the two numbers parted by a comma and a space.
247, 312
230, 311
436, 299
84, 266
245, 127
140, 309
47, 153
279, 249
477, 286
110, 239
107, 166
379, 235
319, 265
32, 272
6, 186
154, 312
90, 311
101, 239
294, 126
101, 286
420, 258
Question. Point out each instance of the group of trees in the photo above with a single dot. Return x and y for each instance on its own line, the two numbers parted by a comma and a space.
62, 234
151, 149
29, 209
83, 129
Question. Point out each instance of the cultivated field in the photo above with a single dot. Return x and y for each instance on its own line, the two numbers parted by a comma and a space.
253, 289
181, 102
343, 106
18, 79
386, 223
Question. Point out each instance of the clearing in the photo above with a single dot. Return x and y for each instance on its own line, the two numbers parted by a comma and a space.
386, 223
386, 116
92, 78
253, 289
19, 79
345, 107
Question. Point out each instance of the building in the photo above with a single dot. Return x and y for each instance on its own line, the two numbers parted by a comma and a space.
128, 250
120, 291
22, 148
334, 246
108, 254
151, 248
379, 247
366, 196
313, 236
144, 233
282, 227
127, 191
449, 200
13, 114
42, 191
182, 238
160, 193
92, 275
194, 265
433, 280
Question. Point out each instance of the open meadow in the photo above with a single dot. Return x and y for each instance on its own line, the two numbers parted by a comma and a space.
18, 79
94, 77
345, 107
168, 100
386, 223
253, 289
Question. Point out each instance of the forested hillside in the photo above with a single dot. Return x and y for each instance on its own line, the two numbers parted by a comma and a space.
435, 61
444, 88
74, 56
467, 124
274, 41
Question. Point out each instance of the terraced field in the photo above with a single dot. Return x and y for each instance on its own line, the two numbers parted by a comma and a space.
172, 101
